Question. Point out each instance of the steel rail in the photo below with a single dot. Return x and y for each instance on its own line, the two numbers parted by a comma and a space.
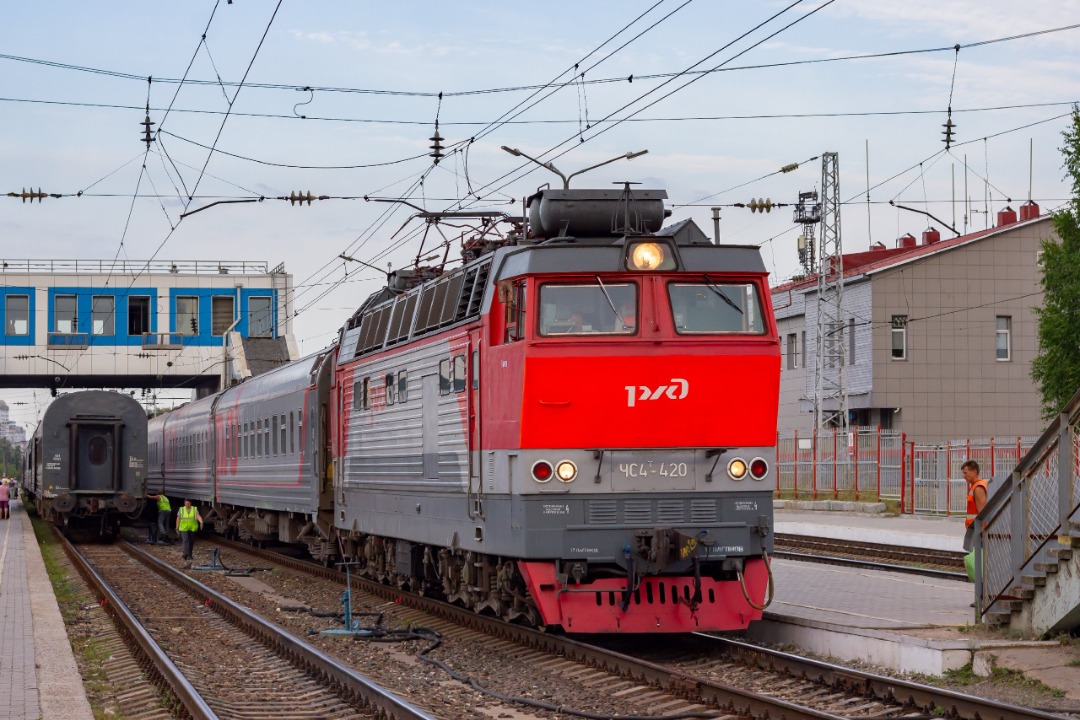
679, 684
873, 551
387, 704
154, 660
870, 565
938, 702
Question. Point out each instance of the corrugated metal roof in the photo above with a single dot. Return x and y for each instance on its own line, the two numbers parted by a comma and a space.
874, 261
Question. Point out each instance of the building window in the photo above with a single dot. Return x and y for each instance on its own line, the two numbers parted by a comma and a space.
187, 315
1003, 338
18, 315
65, 314
138, 315
792, 351
260, 319
103, 314
221, 314
899, 337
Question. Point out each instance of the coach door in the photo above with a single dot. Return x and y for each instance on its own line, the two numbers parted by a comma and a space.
96, 453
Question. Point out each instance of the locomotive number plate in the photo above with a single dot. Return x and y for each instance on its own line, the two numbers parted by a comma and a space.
654, 468
650, 471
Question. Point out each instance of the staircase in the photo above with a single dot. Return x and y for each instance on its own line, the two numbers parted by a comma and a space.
1027, 570
254, 356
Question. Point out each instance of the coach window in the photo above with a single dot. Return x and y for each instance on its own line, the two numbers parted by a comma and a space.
64, 313
403, 386
282, 431
259, 438
460, 373
475, 369
98, 450
365, 394
266, 436
598, 308
716, 307
446, 377
273, 435
388, 391
292, 432
17, 309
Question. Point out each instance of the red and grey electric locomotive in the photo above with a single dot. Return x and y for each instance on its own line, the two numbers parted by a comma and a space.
574, 428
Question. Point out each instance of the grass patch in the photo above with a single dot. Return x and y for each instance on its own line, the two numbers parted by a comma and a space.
966, 676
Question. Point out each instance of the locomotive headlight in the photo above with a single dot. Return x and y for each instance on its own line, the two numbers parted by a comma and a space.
737, 469
566, 471
647, 256
541, 471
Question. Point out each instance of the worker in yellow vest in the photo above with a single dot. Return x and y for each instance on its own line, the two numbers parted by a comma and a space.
188, 522
159, 533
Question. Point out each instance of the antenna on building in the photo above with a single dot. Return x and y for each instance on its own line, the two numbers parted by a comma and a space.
830, 387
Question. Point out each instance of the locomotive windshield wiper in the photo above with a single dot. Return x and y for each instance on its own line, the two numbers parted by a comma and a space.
713, 286
603, 289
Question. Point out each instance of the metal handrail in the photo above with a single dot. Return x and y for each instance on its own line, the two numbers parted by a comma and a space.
1012, 496
183, 267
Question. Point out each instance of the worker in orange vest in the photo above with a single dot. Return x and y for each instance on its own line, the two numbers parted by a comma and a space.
976, 501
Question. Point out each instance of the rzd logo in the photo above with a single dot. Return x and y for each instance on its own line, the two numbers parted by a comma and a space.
677, 390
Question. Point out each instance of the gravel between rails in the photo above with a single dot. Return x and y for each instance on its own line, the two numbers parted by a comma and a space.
497, 665
237, 676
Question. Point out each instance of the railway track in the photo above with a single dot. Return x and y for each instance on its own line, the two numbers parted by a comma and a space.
732, 677
211, 657
876, 556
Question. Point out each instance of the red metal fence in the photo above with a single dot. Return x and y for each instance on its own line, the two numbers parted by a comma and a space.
868, 463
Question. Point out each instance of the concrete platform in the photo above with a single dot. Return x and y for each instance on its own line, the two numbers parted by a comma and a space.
921, 531
38, 674
902, 622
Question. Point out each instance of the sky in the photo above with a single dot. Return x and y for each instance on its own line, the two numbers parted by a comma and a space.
570, 82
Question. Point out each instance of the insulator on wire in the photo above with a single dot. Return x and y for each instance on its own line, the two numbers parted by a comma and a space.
949, 130
760, 205
147, 137
436, 145
790, 168
300, 197
31, 195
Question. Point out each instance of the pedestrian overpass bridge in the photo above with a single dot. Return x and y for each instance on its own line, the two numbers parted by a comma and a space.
139, 324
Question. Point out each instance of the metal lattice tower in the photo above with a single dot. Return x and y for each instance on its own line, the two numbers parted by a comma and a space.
830, 388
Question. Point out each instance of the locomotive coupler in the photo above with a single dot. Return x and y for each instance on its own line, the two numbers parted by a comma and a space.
666, 547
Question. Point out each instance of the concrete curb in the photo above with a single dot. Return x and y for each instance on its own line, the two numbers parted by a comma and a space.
831, 506
60, 687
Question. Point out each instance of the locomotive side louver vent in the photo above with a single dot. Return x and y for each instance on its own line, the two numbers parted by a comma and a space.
703, 512
477, 296
670, 512
638, 512
603, 512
